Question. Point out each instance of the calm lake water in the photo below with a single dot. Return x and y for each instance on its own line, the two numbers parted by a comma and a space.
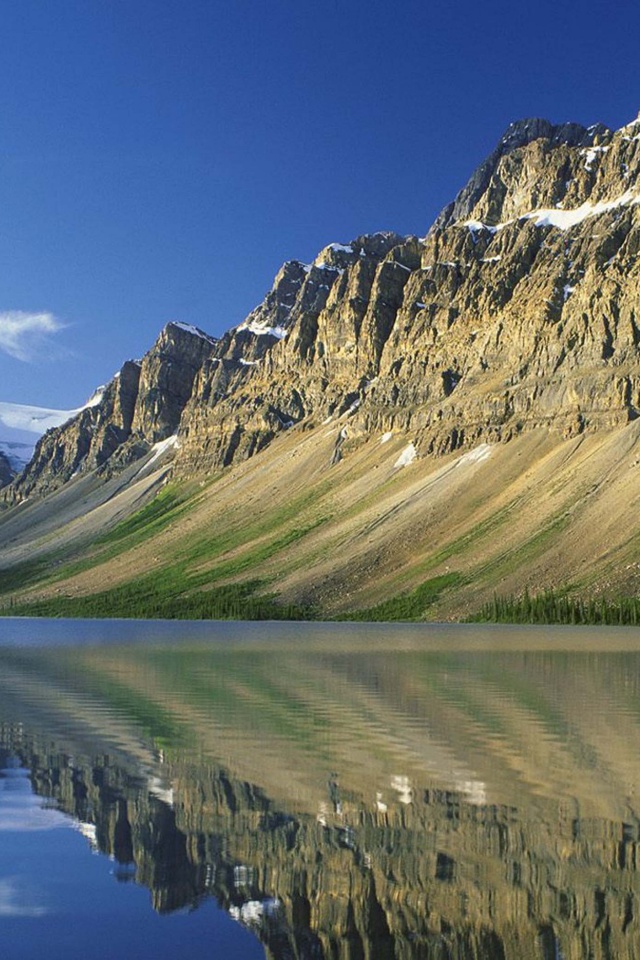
318, 791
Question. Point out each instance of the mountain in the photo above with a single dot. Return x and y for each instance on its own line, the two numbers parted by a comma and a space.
191, 384
20, 427
514, 318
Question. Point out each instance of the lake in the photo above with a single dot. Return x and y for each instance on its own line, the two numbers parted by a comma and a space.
234, 790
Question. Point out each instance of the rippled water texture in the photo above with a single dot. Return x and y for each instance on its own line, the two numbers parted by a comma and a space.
247, 790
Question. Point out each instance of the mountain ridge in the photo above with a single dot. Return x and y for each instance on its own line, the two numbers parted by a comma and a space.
306, 307
516, 313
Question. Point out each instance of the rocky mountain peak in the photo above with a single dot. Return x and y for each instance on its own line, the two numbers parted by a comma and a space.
342, 255
537, 168
523, 132
167, 373
176, 333
517, 309
631, 128
532, 149
140, 406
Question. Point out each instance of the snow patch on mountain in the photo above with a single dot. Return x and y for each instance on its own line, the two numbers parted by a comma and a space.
163, 445
95, 397
562, 219
407, 456
194, 331
591, 154
565, 219
263, 329
483, 452
20, 427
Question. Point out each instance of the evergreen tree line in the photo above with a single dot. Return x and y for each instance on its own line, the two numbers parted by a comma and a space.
228, 602
551, 607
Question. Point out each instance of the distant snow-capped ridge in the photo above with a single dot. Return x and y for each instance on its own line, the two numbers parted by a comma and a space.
21, 425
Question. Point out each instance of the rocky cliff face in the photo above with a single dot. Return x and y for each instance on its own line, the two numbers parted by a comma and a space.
305, 360
87, 441
517, 310
139, 407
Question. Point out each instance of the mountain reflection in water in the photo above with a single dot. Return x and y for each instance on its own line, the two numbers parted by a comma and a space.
353, 801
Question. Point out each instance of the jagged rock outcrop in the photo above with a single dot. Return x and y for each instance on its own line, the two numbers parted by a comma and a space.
166, 379
311, 369
87, 441
139, 407
524, 312
488, 178
517, 310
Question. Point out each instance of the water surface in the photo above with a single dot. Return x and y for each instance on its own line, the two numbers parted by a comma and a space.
288, 790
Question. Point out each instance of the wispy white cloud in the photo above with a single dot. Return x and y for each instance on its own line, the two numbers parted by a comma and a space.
25, 335
14, 902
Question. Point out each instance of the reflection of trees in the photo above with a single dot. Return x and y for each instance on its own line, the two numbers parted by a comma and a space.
435, 878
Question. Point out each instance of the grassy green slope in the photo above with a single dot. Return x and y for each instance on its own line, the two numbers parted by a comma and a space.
288, 535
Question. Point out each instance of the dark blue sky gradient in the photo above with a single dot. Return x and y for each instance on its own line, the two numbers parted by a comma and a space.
160, 159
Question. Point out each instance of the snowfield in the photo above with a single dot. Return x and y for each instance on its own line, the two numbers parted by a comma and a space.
21, 425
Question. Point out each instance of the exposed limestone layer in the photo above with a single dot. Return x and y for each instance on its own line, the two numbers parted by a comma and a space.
87, 441
234, 412
141, 406
517, 310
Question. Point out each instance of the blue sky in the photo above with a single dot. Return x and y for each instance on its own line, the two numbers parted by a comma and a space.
159, 159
